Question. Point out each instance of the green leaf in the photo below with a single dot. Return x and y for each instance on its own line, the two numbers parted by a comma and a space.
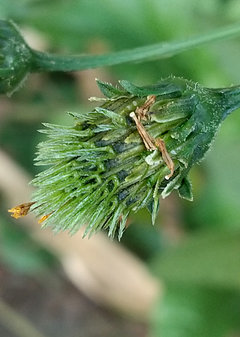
164, 88
185, 190
108, 89
211, 259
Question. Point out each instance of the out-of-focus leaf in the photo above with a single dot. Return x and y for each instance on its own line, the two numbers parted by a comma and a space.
218, 205
209, 259
142, 239
20, 253
196, 312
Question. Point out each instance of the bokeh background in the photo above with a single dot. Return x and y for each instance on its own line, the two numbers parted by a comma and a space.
178, 278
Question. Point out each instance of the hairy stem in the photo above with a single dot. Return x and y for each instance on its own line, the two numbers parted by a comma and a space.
230, 99
49, 62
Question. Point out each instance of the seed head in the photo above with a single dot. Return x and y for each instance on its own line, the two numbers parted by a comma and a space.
138, 146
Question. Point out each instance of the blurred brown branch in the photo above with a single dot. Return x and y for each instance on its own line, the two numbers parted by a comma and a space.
16, 323
104, 270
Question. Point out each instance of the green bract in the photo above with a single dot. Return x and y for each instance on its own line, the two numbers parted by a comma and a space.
15, 58
100, 170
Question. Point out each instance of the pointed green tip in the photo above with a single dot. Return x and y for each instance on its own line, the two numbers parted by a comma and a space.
109, 90
185, 190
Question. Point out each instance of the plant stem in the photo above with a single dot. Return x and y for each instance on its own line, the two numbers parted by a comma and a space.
230, 99
49, 62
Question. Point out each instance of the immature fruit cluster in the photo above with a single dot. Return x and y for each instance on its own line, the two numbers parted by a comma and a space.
137, 146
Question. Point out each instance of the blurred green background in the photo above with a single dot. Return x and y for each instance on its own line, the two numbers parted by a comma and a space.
194, 249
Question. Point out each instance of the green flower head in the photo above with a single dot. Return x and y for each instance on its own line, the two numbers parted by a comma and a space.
15, 58
138, 146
